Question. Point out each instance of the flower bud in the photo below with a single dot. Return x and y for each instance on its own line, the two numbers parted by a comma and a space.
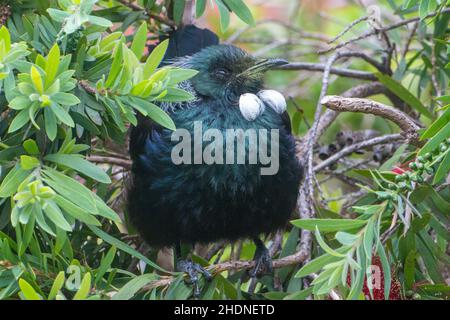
251, 106
273, 99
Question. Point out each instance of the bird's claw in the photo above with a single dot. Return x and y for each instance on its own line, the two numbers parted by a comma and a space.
263, 262
193, 269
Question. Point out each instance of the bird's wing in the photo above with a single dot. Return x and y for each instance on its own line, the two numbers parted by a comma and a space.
286, 122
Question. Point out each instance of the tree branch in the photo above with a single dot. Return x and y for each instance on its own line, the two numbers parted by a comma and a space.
356, 74
381, 30
342, 104
357, 146
126, 164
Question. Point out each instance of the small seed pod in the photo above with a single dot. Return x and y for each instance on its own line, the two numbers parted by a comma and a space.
273, 99
413, 165
251, 106
428, 156
420, 159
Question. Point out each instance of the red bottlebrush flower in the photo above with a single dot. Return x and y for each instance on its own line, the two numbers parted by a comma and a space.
398, 170
378, 283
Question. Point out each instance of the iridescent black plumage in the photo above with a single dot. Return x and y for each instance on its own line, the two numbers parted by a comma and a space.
203, 203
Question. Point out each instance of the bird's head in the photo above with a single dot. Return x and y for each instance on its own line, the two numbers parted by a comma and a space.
226, 72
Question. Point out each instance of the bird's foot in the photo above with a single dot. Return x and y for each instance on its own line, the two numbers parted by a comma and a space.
193, 270
263, 262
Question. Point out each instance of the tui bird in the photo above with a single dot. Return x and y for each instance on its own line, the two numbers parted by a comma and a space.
172, 203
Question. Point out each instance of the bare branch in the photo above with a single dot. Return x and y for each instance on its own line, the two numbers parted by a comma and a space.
378, 31
357, 146
342, 104
126, 164
351, 25
356, 74
297, 258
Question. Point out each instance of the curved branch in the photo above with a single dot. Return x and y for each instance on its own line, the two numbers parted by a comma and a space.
342, 104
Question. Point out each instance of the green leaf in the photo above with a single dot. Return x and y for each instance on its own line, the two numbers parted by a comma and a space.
433, 143
325, 246
399, 90
99, 21
178, 9
50, 124
20, 103
19, 121
318, 263
155, 58
139, 40
12, 181
71, 189
31, 147
368, 237
75, 211
224, 16
81, 165
28, 291
84, 289
177, 75
328, 225
346, 238
37, 79
116, 65
437, 125
55, 215
443, 169
57, 285
65, 99
410, 269
423, 8
62, 114
155, 113
105, 264
200, 6
176, 95
28, 162
52, 65
124, 247
5, 36
241, 10
133, 286
386, 270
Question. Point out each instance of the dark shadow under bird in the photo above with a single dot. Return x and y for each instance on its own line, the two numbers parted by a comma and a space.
172, 203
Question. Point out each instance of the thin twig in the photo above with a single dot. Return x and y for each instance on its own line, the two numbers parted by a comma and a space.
378, 31
111, 160
357, 146
351, 25
349, 73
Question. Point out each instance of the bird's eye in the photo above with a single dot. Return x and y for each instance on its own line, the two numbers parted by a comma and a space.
222, 73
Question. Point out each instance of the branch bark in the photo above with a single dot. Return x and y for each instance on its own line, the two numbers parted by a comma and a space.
342, 104
126, 164
358, 146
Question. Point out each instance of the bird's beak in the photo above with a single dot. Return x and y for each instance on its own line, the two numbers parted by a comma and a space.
264, 65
